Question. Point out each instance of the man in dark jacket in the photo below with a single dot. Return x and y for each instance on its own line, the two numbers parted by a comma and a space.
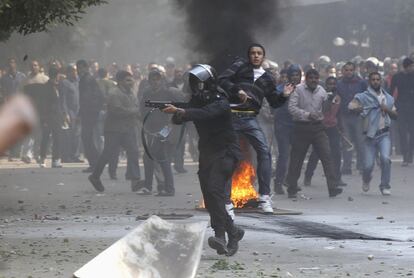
120, 131
91, 101
158, 136
219, 152
283, 129
348, 86
69, 89
248, 83
51, 119
402, 88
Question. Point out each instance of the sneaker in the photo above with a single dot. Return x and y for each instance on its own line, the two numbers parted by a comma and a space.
365, 186
136, 185
144, 191
265, 203
230, 211
114, 177
294, 193
235, 236
77, 160
342, 183
56, 164
218, 244
279, 189
180, 170
96, 183
165, 193
26, 159
386, 191
42, 163
307, 181
335, 191
87, 170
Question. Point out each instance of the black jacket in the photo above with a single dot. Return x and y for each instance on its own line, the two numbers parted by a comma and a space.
240, 76
157, 120
213, 122
91, 99
122, 111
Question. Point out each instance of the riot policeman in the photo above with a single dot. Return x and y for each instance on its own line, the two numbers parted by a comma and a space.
210, 111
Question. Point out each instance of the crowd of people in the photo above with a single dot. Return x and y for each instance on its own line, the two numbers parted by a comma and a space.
344, 110
75, 102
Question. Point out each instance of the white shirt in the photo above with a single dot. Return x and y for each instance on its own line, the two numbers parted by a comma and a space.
257, 73
382, 100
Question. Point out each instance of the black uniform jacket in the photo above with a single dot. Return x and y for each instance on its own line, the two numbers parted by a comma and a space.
213, 122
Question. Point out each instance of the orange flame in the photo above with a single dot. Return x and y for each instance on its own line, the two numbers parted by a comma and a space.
242, 189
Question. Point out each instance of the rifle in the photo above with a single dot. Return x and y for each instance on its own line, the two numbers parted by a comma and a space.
160, 104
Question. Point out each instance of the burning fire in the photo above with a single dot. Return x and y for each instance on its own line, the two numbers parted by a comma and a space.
242, 189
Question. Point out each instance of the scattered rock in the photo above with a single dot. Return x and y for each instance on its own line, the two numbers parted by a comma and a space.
350, 199
370, 257
255, 253
380, 217
20, 201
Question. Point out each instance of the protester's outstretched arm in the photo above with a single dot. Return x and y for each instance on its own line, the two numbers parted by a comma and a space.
17, 119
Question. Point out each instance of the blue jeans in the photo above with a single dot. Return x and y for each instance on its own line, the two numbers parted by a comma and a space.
353, 130
382, 145
251, 130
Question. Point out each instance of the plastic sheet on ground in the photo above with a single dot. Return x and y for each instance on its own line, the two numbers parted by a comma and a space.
155, 249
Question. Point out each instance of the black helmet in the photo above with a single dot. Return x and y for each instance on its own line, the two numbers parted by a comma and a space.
203, 81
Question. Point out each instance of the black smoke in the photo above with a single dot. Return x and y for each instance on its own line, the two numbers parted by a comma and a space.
220, 30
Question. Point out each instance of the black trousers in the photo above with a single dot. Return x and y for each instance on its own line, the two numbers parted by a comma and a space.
406, 132
335, 146
178, 152
304, 135
71, 142
55, 131
113, 142
89, 147
215, 170
160, 166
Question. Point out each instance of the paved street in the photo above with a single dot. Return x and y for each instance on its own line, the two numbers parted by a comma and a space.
52, 222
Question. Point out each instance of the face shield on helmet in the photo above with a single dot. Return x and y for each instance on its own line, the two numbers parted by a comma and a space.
202, 81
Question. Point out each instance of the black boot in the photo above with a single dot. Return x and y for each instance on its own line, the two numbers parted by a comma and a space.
235, 235
218, 244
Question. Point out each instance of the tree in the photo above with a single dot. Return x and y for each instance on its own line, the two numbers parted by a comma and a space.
30, 16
